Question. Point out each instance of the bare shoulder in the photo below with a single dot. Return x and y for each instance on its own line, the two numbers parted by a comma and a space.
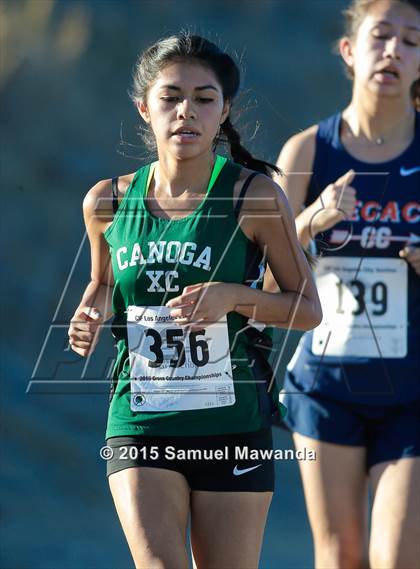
299, 150
97, 203
263, 193
304, 137
296, 162
264, 205
123, 183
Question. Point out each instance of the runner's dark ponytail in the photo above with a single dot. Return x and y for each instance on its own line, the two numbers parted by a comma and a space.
240, 154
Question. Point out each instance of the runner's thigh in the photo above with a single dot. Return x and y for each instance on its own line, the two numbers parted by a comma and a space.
227, 528
335, 486
153, 507
395, 527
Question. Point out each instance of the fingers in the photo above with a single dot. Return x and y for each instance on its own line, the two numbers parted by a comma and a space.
191, 316
81, 347
345, 197
346, 204
193, 325
343, 183
194, 287
412, 256
346, 179
84, 330
405, 253
339, 195
182, 312
187, 314
189, 296
78, 336
410, 253
87, 319
82, 351
90, 314
85, 336
80, 326
79, 351
79, 344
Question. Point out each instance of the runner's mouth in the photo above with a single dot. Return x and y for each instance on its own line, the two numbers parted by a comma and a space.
388, 72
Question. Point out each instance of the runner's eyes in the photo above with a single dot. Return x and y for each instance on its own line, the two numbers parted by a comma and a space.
174, 99
384, 37
411, 43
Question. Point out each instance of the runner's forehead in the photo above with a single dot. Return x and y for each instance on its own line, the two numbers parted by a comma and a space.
187, 75
392, 13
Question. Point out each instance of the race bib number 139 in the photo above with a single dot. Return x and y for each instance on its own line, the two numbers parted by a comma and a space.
364, 303
175, 370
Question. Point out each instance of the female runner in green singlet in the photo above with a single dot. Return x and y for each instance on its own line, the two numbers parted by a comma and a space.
187, 254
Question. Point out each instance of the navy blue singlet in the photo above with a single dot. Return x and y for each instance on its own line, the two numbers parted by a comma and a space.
376, 359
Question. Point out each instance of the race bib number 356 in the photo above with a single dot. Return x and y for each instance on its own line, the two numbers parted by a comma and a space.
175, 370
364, 303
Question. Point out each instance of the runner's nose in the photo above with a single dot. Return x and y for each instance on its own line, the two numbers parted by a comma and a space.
392, 48
185, 110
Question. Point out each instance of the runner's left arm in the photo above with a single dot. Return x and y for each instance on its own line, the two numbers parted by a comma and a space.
266, 219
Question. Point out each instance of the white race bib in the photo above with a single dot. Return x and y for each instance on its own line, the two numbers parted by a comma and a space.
364, 302
175, 370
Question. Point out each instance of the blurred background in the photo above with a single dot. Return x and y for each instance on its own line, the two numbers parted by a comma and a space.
67, 122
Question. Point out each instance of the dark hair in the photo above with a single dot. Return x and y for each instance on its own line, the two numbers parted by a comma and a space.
187, 47
353, 17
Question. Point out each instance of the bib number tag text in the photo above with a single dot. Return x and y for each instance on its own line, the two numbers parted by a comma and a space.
364, 303
172, 369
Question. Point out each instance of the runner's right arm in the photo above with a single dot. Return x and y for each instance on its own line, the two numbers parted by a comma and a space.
95, 307
336, 201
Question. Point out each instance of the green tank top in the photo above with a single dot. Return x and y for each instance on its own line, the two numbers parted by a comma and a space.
153, 259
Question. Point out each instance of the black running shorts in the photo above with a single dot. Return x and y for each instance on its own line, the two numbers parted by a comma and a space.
221, 463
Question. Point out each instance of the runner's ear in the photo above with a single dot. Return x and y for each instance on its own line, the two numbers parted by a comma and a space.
143, 111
